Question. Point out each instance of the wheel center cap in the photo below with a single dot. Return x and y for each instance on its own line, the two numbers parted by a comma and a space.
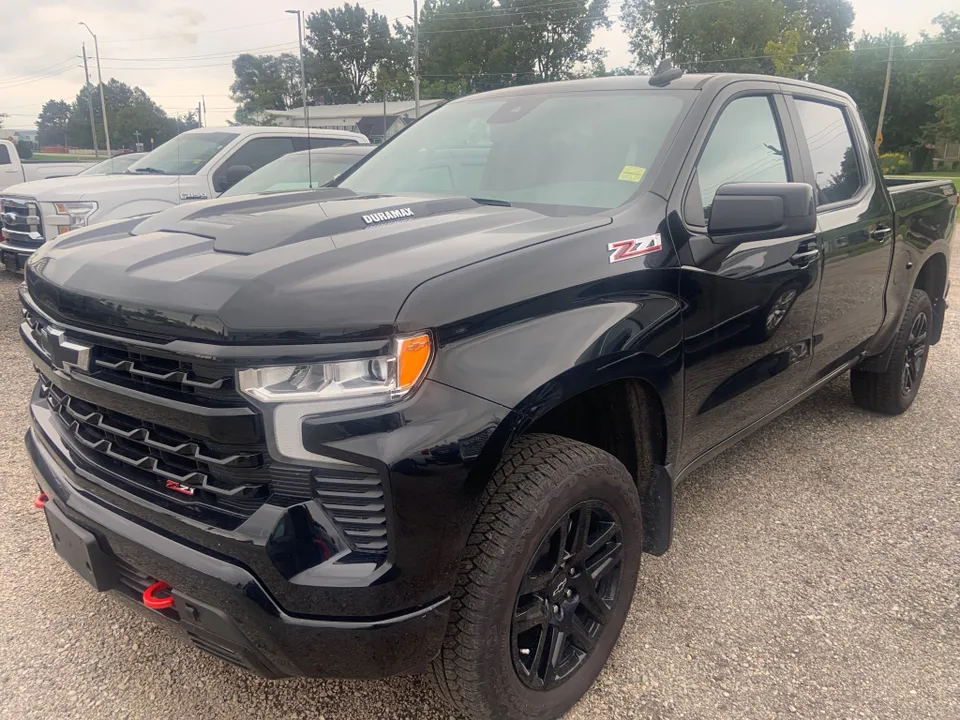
557, 586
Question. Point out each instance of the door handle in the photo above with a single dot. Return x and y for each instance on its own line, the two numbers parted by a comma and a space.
804, 257
881, 233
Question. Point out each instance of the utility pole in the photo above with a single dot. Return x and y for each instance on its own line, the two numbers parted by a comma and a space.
883, 102
93, 124
103, 103
199, 116
303, 70
416, 59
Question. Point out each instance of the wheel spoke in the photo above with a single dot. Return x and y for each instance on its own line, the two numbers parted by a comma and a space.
601, 564
558, 639
535, 583
605, 537
536, 665
561, 555
581, 530
581, 636
594, 604
529, 617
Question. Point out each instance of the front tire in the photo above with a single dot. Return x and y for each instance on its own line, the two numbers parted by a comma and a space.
545, 583
894, 390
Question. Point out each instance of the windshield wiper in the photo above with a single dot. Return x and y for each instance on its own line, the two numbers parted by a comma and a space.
150, 170
490, 201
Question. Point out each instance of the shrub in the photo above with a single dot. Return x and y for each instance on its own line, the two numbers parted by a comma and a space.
24, 150
894, 163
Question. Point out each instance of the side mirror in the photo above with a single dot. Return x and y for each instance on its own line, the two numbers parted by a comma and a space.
761, 211
233, 175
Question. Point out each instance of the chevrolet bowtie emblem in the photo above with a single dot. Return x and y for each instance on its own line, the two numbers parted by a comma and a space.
65, 354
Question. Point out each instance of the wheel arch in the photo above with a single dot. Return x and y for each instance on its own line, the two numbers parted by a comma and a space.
932, 279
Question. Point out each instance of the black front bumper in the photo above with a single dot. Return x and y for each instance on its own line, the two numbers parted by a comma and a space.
224, 609
14, 258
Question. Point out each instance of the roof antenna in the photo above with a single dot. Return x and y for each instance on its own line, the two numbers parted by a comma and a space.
665, 73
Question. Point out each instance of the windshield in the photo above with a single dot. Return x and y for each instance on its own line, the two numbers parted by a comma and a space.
112, 165
184, 155
291, 173
574, 150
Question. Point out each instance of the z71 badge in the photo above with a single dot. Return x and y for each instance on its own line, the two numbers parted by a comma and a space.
629, 249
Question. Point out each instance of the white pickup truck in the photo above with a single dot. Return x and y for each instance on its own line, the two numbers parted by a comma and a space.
14, 171
196, 165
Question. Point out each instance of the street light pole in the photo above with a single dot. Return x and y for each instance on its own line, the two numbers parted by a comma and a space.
103, 103
93, 123
416, 59
883, 103
303, 71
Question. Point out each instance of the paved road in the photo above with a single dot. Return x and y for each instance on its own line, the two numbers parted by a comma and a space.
814, 575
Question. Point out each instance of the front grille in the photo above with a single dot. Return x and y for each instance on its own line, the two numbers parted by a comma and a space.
21, 222
187, 381
356, 503
183, 470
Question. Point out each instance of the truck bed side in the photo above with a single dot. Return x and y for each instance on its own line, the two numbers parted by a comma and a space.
924, 221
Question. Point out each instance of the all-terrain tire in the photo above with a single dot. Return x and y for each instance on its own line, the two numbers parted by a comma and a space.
893, 391
541, 480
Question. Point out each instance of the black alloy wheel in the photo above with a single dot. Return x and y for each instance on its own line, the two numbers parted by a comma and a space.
916, 354
566, 596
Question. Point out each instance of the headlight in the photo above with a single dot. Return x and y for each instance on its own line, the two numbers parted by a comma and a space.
78, 212
342, 385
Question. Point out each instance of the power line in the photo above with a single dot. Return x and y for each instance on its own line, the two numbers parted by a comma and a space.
198, 32
39, 79
72, 58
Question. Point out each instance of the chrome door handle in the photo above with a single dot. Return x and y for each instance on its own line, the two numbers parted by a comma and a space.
881, 233
804, 258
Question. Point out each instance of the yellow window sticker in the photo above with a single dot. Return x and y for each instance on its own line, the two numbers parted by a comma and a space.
631, 173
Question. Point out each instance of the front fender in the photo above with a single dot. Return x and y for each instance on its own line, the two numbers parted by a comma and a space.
133, 208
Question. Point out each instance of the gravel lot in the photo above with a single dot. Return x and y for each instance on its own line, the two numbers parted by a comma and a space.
815, 574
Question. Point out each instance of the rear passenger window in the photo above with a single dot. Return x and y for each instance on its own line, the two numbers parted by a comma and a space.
744, 147
4, 156
255, 154
834, 157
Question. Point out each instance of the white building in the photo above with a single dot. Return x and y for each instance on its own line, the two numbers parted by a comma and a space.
378, 121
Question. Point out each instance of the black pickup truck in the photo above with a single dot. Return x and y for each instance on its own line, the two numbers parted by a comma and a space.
433, 415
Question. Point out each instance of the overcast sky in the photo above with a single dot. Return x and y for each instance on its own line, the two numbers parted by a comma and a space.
178, 50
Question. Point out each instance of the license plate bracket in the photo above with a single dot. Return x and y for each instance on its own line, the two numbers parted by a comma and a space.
80, 549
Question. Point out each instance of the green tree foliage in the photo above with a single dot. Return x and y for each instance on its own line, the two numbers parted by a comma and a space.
347, 47
262, 83
736, 36
52, 122
129, 110
922, 82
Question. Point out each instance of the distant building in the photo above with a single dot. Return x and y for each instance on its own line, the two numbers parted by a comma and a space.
378, 121
29, 136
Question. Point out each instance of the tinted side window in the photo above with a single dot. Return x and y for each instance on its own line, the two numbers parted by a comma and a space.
744, 147
835, 160
257, 153
302, 143
4, 156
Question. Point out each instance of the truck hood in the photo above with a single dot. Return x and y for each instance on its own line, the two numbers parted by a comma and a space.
94, 187
315, 266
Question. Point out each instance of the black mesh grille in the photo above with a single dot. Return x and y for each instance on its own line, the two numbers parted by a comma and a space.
181, 469
357, 505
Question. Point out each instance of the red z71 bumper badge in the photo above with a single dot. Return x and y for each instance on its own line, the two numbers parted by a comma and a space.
180, 488
628, 249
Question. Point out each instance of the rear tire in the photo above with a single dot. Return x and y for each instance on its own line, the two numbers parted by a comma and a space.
555, 549
894, 390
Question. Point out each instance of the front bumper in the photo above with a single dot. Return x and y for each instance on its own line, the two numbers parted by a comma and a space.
221, 607
14, 258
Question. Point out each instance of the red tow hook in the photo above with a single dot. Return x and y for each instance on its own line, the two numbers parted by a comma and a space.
40, 500
157, 603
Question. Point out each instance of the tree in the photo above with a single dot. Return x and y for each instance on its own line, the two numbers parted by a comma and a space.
2, 117
52, 123
265, 82
736, 36
130, 110
348, 46
553, 38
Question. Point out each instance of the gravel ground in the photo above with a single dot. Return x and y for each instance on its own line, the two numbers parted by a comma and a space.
814, 574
